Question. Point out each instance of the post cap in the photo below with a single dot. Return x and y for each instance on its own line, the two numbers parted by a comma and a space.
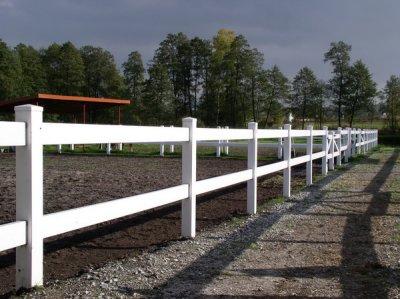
28, 107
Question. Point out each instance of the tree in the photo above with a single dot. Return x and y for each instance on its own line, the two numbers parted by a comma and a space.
361, 90
391, 95
134, 74
10, 73
134, 82
200, 68
319, 107
64, 69
214, 98
102, 78
158, 96
305, 91
33, 76
275, 88
339, 57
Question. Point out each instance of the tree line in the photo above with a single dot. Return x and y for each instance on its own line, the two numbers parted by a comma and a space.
220, 81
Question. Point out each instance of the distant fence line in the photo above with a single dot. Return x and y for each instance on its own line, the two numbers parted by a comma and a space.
29, 134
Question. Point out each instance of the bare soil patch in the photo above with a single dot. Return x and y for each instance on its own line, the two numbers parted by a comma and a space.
73, 181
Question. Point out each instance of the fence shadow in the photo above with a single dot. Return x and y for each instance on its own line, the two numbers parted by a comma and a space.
361, 274
202, 271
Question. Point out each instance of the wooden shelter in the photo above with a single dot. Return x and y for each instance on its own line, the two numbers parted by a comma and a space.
77, 106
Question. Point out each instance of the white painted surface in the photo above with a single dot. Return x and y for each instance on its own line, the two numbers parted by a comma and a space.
29, 197
12, 133
69, 220
12, 235
252, 164
189, 162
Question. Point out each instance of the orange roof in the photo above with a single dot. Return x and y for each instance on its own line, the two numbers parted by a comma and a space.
53, 103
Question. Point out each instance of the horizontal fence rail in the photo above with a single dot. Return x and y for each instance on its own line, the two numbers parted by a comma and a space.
29, 134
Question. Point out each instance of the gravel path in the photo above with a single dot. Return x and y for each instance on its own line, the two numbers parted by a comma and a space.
339, 238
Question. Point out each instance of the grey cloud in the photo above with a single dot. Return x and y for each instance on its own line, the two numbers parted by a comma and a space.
290, 33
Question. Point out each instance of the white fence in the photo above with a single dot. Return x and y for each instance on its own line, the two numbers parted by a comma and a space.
29, 134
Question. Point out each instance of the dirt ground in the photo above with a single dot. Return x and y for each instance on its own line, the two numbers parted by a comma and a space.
338, 238
73, 181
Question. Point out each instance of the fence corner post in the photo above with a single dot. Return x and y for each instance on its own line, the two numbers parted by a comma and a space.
324, 166
287, 153
280, 146
29, 198
189, 162
309, 169
252, 164
339, 145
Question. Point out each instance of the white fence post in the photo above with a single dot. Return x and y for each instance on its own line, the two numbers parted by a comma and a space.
172, 146
364, 141
162, 148
108, 149
72, 147
189, 177
59, 148
359, 141
332, 151
218, 148
324, 162
287, 153
347, 154
353, 142
280, 146
339, 145
227, 146
29, 197
120, 146
252, 164
309, 170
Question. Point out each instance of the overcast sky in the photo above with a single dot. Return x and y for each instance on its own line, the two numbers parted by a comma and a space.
291, 34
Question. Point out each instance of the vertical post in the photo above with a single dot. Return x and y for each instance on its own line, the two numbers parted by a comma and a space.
59, 148
280, 146
348, 142
364, 141
332, 151
172, 146
309, 171
324, 166
29, 197
339, 145
120, 146
189, 177
359, 141
252, 164
227, 146
287, 153
72, 147
218, 149
162, 148
108, 149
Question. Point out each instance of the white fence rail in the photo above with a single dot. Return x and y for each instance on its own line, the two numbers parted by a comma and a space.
29, 134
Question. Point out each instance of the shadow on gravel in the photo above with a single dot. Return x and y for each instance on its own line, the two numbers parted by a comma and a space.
201, 272
360, 273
